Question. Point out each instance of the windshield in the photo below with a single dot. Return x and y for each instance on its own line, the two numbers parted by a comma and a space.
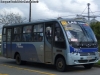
90, 34
78, 32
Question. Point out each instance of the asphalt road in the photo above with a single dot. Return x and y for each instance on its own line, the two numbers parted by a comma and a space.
9, 67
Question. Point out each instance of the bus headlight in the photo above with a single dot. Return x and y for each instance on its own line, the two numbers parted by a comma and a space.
75, 53
96, 52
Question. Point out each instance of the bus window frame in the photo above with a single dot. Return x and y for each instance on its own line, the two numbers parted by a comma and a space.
4, 34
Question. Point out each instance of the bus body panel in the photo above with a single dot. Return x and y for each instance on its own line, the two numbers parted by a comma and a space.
72, 49
48, 52
4, 49
28, 51
57, 51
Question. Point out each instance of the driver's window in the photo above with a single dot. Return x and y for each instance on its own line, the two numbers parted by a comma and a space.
59, 41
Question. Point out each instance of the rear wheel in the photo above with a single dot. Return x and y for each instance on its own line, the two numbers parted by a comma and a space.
88, 66
61, 64
18, 59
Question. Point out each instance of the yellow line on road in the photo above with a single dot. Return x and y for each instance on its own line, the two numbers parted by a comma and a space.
41, 72
11, 66
3, 74
3, 64
46, 73
26, 69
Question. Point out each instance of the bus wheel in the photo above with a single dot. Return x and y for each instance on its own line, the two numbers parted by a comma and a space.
61, 65
18, 59
88, 66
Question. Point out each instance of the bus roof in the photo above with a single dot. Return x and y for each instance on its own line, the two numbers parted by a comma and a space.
41, 21
36, 21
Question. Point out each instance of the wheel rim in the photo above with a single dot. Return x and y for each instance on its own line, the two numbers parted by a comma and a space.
18, 59
60, 64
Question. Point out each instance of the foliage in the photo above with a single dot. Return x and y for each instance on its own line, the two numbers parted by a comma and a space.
10, 18
96, 28
98, 63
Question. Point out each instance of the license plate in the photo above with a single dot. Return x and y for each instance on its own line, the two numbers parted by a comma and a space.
89, 57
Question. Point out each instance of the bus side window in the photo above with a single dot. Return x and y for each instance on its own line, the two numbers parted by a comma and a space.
4, 34
27, 33
17, 34
59, 40
37, 33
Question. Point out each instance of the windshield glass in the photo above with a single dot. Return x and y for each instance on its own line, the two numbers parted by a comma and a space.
90, 34
78, 31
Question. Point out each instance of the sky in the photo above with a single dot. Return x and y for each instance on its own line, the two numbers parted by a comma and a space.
46, 9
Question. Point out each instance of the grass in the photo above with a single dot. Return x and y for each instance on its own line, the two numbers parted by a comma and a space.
98, 63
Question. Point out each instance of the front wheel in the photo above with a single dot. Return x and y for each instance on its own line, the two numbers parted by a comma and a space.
61, 64
88, 66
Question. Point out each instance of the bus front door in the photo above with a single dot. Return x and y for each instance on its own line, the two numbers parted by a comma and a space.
48, 43
8, 43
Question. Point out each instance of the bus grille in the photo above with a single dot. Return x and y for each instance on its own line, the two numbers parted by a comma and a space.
86, 54
85, 61
82, 61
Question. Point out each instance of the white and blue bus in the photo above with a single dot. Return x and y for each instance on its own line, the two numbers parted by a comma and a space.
60, 42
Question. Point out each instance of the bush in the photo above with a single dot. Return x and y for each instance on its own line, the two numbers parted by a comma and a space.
99, 45
96, 28
98, 63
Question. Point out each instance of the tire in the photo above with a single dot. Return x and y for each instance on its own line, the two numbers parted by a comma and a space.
88, 66
18, 59
60, 65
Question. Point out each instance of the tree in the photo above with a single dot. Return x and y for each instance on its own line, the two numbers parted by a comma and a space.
11, 18
96, 28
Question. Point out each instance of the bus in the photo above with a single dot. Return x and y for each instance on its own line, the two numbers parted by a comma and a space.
58, 42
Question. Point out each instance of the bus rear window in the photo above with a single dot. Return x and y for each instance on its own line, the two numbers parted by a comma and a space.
4, 31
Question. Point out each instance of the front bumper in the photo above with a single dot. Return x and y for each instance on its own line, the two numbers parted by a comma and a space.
76, 59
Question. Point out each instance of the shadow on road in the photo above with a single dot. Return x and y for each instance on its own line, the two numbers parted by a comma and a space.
40, 66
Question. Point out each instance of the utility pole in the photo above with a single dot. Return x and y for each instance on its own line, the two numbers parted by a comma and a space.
30, 11
88, 11
22, 1
88, 14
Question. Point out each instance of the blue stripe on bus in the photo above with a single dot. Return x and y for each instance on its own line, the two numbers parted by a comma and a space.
27, 51
72, 49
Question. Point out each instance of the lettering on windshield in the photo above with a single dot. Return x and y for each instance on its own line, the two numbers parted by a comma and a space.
64, 23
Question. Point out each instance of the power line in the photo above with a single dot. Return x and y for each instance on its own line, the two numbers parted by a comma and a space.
91, 12
84, 10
